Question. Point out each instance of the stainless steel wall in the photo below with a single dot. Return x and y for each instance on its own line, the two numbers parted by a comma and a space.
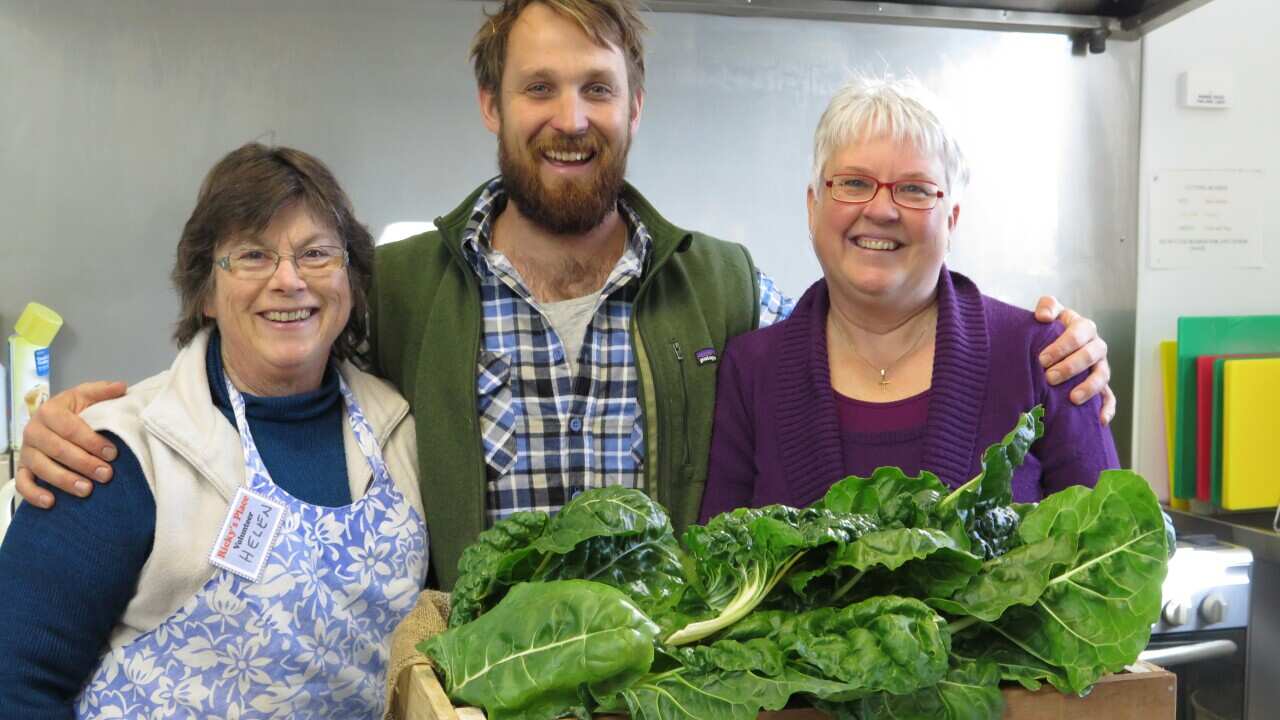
111, 112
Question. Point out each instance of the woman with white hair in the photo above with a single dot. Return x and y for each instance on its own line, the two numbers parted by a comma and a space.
890, 359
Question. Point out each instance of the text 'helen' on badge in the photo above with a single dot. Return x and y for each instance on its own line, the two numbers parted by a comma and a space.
247, 535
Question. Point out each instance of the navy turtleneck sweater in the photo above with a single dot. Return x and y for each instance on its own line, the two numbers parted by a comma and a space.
67, 574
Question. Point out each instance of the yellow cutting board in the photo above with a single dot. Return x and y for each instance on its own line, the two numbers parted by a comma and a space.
1251, 434
1169, 377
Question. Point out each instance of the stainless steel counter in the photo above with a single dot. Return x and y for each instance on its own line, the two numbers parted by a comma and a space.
1249, 529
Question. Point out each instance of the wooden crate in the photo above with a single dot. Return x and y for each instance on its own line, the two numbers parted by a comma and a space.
1146, 692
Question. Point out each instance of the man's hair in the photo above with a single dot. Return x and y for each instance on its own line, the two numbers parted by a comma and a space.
869, 107
606, 22
242, 193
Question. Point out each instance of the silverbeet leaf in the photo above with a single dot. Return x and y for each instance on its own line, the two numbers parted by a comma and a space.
979, 643
487, 565
530, 656
605, 512
614, 535
1018, 577
1095, 613
687, 694
740, 556
984, 504
647, 567
970, 691
889, 496
884, 644
931, 562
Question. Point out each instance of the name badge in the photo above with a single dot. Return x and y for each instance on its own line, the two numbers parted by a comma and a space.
247, 535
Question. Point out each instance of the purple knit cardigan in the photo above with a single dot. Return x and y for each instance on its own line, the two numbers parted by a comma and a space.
776, 437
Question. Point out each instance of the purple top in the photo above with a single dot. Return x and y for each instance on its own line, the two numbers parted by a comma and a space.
861, 416
777, 435
876, 434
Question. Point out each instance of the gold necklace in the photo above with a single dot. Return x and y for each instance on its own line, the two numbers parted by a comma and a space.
884, 371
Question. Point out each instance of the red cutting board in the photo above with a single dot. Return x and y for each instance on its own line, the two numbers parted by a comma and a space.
1204, 425
1205, 403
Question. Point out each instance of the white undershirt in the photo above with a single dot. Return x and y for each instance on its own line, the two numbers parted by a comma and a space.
570, 318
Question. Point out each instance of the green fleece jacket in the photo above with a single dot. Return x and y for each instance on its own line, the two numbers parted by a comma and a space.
426, 322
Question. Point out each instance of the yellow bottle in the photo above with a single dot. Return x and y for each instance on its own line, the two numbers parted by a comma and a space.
29, 365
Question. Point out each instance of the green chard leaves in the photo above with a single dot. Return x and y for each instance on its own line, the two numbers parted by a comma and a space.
1098, 558
528, 657
969, 691
984, 504
740, 556
890, 597
615, 536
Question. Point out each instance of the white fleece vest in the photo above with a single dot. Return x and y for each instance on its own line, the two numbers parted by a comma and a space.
193, 463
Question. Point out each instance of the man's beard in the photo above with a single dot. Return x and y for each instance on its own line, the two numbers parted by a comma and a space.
572, 207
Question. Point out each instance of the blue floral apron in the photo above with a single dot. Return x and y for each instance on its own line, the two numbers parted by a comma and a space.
309, 639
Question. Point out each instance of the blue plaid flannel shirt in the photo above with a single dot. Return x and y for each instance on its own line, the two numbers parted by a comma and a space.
549, 433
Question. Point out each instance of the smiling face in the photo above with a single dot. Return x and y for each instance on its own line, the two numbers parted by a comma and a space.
564, 118
877, 252
277, 333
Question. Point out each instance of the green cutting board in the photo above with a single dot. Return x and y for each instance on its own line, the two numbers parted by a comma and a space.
1210, 336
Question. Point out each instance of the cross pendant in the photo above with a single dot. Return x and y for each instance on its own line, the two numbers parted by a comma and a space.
884, 382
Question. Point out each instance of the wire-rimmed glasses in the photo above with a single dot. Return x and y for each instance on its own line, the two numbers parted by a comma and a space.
261, 263
911, 194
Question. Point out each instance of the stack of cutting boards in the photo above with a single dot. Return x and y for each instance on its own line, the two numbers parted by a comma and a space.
1224, 406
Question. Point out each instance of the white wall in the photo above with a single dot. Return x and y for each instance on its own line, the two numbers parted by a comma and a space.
1237, 36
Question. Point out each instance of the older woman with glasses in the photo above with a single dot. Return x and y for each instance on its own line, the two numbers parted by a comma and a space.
264, 531
891, 359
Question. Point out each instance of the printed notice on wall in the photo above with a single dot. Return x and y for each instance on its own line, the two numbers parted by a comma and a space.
1206, 218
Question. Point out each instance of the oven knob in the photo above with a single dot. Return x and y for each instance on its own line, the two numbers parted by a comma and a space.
1176, 613
1213, 609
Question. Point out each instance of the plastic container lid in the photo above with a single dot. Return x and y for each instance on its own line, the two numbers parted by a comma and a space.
38, 324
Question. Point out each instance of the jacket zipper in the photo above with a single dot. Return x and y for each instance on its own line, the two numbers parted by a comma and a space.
684, 406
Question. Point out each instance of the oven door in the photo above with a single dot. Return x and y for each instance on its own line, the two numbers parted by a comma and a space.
1210, 665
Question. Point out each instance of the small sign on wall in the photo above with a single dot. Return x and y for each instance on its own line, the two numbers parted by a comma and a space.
1206, 219
1205, 89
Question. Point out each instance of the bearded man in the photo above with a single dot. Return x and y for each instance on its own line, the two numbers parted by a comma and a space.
554, 333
